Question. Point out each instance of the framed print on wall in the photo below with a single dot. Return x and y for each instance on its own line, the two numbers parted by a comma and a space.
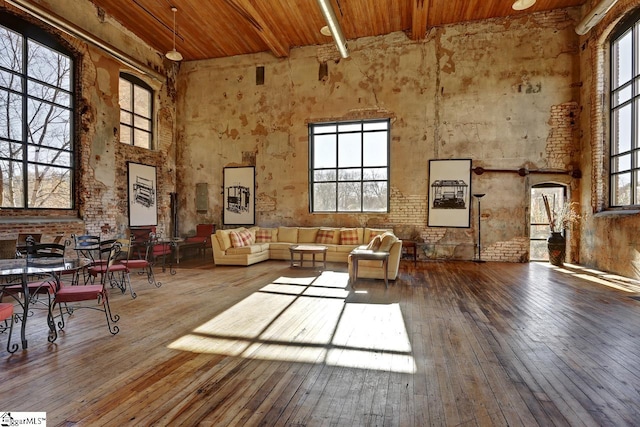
450, 193
143, 203
239, 196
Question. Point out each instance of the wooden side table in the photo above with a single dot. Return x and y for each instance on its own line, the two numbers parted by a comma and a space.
301, 250
360, 254
411, 248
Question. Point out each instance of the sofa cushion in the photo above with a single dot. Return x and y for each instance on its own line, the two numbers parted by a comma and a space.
264, 235
349, 236
249, 249
223, 237
325, 236
307, 234
288, 234
388, 239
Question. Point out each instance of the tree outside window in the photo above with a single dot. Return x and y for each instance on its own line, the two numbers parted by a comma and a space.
135, 112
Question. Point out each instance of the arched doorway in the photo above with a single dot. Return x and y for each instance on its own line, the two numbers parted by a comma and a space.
538, 222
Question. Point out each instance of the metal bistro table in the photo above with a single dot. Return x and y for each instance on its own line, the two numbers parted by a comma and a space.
25, 267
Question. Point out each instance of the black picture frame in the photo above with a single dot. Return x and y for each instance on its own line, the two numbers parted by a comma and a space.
449, 198
239, 198
142, 194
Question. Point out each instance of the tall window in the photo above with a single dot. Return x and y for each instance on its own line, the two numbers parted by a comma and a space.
349, 166
36, 119
625, 114
136, 112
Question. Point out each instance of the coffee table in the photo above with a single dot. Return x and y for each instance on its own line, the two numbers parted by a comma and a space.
307, 249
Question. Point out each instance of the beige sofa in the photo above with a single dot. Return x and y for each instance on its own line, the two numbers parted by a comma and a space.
246, 246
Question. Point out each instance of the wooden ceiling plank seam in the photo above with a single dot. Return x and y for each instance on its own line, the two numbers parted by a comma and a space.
257, 21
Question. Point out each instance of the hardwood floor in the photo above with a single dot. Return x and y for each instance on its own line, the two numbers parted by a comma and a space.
448, 344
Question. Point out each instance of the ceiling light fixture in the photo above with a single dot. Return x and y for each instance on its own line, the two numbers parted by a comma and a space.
334, 27
523, 4
174, 55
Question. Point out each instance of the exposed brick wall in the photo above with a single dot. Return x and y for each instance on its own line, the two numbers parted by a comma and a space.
515, 250
562, 142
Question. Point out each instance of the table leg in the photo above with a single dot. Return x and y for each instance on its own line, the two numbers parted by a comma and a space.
23, 328
313, 260
385, 262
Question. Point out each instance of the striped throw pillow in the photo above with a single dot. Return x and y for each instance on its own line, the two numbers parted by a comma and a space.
324, 236
349, 236
247, 237
236, 240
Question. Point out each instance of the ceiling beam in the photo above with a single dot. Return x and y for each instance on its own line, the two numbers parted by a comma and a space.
419, 15
246, 10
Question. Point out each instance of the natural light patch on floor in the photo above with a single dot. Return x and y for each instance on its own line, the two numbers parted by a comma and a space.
614, 281
308, 320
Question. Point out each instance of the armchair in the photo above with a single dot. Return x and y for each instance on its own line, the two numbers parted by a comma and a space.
203, 236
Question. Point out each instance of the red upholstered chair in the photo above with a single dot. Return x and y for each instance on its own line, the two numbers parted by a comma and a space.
111, 271
73, 294
142, 265
203, 234
8, 319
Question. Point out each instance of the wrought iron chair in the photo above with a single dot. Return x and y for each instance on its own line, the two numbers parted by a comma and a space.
42, 285
72, 294
111, 271
7, 318
25, 239
161, 249
142, 264
203, 235
86, 245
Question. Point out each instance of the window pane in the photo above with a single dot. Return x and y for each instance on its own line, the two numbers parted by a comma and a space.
125, 135
374, 149
318, 129
48, 66
125, 95
324, 175
11, 50
621, 60
11, 119
54, 157
49, 93
324, 197
621, 96
141, 139
141, 123
349, 196
12, 184
636, 175
384, 125
539, 231
10, 81
49, 187
375, 196
126, 118
11, 150
621, 130
49, 125
621, 189
621, 163
324, 153
142, 101
349, 150
539, 250
349, 127
350, 174
375, 174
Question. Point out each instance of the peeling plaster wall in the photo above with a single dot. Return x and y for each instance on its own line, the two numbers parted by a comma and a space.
488, 90
609, 237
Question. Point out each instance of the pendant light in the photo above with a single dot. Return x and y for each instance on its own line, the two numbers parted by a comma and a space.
174, 55
523, 4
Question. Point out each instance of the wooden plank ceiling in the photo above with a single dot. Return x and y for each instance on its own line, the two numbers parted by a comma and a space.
220, 28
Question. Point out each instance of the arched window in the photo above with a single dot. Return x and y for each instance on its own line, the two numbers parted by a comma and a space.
624, 168
136, 112
36, 118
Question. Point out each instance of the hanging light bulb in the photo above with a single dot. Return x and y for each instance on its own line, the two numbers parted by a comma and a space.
173, 54
523, 4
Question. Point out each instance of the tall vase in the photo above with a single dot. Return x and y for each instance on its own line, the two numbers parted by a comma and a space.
557, 246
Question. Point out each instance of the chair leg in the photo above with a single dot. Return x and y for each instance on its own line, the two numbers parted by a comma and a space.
111, 318
151, 278
127, 279
11, 320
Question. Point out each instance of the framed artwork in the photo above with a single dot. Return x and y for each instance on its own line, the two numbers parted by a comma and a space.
143, 203
450, 193
239, 196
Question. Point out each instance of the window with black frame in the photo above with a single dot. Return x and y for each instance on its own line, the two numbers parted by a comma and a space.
136, 112
349, 166
624, 168
36, 118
